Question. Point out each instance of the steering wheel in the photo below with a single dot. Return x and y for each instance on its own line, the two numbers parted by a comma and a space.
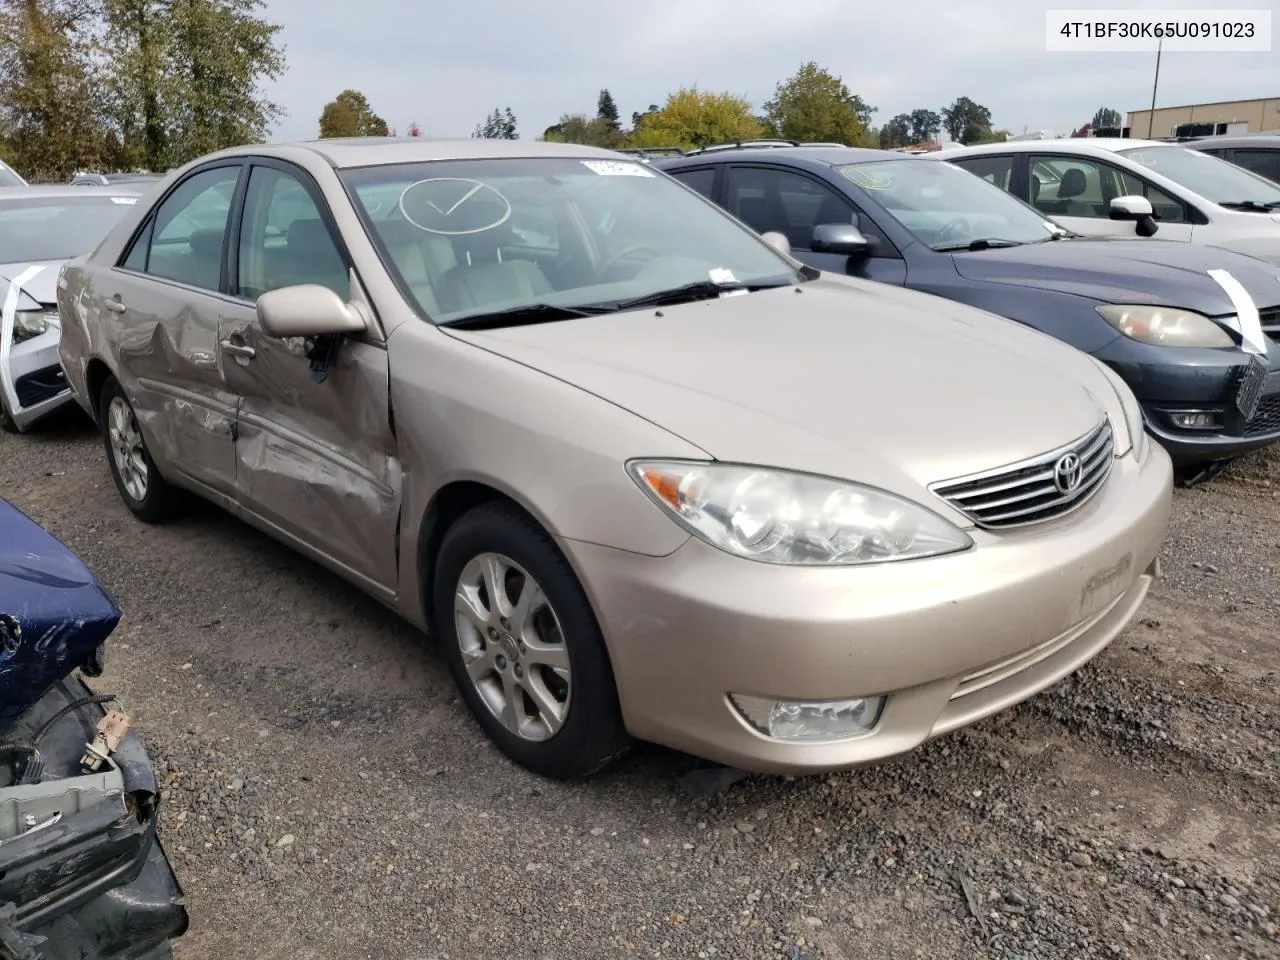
956, 228
610, 262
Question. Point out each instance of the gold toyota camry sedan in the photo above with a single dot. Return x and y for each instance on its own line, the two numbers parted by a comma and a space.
639, 473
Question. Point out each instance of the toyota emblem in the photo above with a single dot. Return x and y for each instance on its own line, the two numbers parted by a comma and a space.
1067, 473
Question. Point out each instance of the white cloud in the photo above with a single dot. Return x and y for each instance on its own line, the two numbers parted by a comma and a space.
447, 66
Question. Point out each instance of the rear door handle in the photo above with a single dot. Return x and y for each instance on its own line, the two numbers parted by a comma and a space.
115, 306
238, 349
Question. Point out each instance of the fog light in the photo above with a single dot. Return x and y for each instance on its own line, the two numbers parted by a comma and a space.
818, 720
1195, 419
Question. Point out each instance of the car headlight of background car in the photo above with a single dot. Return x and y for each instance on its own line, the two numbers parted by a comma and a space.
1134, 423
779, 516
29, 324
1165, 326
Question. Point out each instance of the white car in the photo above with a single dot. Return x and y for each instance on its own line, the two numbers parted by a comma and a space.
1118, 187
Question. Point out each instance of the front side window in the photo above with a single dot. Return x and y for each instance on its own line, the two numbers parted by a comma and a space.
703, 179
1265, 163
186, 237
57, 227
946, 208
1216, 180
476, 237
1163, 207
1070, 187
284, 240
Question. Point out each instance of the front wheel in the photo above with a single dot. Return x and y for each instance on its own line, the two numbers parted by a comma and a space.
523, 645
148, 495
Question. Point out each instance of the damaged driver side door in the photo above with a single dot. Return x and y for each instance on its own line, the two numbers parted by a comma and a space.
315, 454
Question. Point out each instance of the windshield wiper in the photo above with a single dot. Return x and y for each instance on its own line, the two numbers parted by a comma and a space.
698, 290
520, 316
983, 243
1250, 205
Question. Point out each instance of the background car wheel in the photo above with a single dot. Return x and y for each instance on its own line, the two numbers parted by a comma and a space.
151, 498
6, 421
523, 645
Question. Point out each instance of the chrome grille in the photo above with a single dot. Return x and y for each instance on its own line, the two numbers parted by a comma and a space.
1034, 490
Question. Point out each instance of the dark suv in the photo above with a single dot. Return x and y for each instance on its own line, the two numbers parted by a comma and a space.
1259, 153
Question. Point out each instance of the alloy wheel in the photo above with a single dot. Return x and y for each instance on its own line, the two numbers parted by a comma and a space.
127, 449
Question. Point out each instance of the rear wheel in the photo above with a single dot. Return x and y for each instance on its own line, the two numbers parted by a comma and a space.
523, 645
148, 495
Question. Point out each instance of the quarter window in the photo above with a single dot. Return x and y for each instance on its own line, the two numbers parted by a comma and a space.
284, 240
184, 240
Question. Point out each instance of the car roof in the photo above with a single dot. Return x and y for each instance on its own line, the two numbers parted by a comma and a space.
828, 155
43, 190
1086, 145
372, 151
1264, 141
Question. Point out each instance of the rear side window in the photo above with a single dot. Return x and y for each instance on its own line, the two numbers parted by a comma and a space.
1265, 163
995, 170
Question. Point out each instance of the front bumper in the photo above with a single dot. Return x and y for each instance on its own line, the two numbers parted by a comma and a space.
947, 640
96, 883
1203, 381
33, 382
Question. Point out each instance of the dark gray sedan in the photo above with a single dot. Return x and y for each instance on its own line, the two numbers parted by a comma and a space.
1192, 329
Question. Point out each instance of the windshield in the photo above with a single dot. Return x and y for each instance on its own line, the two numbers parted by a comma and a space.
8, 178
1202, 173
56, 228
476, 237
946, 207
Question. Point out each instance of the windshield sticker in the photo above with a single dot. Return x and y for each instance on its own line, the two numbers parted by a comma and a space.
454, 206
125, 200
868, 180
1247, 322
722, 275
617, 168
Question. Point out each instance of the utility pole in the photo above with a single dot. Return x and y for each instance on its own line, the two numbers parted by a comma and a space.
1151, 117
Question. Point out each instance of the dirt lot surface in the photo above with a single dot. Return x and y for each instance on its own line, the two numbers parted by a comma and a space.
328, 797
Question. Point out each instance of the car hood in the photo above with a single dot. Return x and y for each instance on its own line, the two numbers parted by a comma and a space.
847, 378
1265, 245
42, 287
53, 612
1161, 272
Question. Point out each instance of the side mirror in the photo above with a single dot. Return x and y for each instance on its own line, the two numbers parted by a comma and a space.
778, 241
839, 238
307, 310
1130, 208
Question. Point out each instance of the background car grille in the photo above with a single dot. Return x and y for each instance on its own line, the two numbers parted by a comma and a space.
1025, 492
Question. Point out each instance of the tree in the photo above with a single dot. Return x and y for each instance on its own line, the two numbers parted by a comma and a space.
499, 125
1107, 117
184, 76
579, 128
896, 132
695, 118
924, 124
966, 121
638, 118
349, 115
607, 112
815, 105
50, 107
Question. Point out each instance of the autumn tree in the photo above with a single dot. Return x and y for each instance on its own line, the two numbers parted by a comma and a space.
696, 118
50, 107
349, 115
499, 125
816, 105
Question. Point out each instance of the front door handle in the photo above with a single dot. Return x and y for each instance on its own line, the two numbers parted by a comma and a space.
115, 305
239, 349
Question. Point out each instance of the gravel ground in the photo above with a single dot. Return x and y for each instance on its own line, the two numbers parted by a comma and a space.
327, 796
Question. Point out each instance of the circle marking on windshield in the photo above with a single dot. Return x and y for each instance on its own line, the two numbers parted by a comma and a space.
455, 205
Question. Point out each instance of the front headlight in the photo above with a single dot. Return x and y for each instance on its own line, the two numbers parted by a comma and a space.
1165, 326
28, 324
778, 516
1135, 425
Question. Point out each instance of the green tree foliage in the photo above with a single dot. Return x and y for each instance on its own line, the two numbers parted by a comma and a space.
1107, 117
925, 125
349, 115
896, 132
49, 100
607, 112
499, 125
815, 105
185, 76
579, 128
966, 121
695, 118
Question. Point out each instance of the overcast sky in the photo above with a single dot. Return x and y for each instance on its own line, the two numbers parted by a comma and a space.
445, 66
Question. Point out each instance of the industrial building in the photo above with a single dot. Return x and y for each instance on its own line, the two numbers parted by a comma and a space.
1206, 119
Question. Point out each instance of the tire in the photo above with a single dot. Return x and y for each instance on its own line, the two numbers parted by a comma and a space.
154, 499
590, 732
6, 421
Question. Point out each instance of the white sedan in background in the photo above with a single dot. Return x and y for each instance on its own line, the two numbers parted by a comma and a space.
1100, 186
41, 228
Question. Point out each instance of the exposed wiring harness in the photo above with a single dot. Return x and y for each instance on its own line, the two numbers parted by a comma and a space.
33, 771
